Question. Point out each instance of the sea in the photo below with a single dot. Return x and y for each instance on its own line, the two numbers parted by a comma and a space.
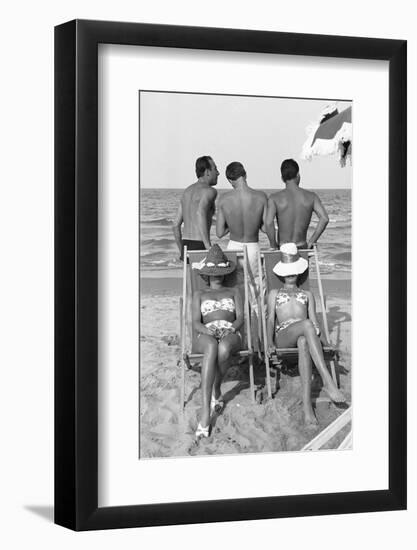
159, 253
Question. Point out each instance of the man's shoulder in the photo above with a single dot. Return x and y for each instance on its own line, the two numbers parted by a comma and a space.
209, 192
278, 196
309, 197
197, 191
308, 193
225, 197
278, 193
260, 195
188, 190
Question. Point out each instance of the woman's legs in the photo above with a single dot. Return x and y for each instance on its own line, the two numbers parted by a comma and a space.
289, 337
208, 346
304, 366
229, 345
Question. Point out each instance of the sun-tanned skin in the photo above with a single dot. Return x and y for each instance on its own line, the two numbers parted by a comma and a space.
293, 208
241, 212
217, 355
303, 335
196, 209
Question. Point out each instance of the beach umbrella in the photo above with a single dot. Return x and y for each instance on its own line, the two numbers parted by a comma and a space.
332, 134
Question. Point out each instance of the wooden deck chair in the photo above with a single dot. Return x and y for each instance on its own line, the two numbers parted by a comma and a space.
271, 257
333, 429
189, 356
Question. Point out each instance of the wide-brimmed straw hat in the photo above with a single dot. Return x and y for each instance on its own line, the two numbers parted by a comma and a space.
215, 263
291, 263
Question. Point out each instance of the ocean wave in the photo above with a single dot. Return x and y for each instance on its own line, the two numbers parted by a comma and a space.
160, 265
156, 257
156, 221
343, 256
342, 219
158, 242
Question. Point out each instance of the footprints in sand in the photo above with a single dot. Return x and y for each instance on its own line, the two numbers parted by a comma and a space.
241, 427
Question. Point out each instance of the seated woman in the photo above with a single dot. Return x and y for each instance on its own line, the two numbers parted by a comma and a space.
217, 317
292, 321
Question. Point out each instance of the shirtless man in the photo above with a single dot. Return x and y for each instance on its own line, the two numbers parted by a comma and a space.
293, 208
196, 208
242, 212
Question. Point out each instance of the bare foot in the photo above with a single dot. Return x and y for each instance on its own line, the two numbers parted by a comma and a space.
310, 419
334, 394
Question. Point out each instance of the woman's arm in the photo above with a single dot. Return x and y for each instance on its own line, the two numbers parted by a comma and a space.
196, 313
238, 322
270, 324
312, 311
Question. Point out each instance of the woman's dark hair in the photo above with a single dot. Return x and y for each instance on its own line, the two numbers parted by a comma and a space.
201, 165
289, 169
282, 279
235, 170
206, 278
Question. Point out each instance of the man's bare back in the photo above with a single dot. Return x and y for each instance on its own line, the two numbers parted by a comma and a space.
197, 204
243, 212
196, 208
292, 208
293, 211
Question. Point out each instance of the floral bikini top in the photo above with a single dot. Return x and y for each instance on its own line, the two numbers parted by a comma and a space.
284, 296
225, 304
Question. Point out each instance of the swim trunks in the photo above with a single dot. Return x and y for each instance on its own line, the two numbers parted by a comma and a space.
300, 246
191, 245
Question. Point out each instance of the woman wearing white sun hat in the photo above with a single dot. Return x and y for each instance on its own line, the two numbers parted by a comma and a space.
292, 321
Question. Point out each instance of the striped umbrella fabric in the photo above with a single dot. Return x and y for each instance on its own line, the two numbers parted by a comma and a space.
333, 134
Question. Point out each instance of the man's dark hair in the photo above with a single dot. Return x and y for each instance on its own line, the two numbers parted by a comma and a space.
235, 170
201, 165
289, 169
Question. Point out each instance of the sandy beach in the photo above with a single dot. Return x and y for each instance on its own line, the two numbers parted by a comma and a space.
242, 427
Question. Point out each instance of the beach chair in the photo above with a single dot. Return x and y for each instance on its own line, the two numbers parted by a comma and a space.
271, 257
331, 431
189, 356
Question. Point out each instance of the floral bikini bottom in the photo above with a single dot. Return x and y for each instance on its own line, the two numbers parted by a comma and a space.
286, 324
220, 329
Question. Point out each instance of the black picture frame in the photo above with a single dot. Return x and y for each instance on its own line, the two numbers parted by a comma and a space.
76, 272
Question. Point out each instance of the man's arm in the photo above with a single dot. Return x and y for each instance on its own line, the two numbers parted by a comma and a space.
221, 225
321, 213
176, 227
271, 212
204, 206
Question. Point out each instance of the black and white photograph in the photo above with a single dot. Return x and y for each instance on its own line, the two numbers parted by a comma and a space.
245, 217
207, 243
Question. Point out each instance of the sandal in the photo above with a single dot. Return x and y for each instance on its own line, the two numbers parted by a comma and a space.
216, 405
202, 432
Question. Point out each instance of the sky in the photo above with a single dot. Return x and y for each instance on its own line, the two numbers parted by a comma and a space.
176, 128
